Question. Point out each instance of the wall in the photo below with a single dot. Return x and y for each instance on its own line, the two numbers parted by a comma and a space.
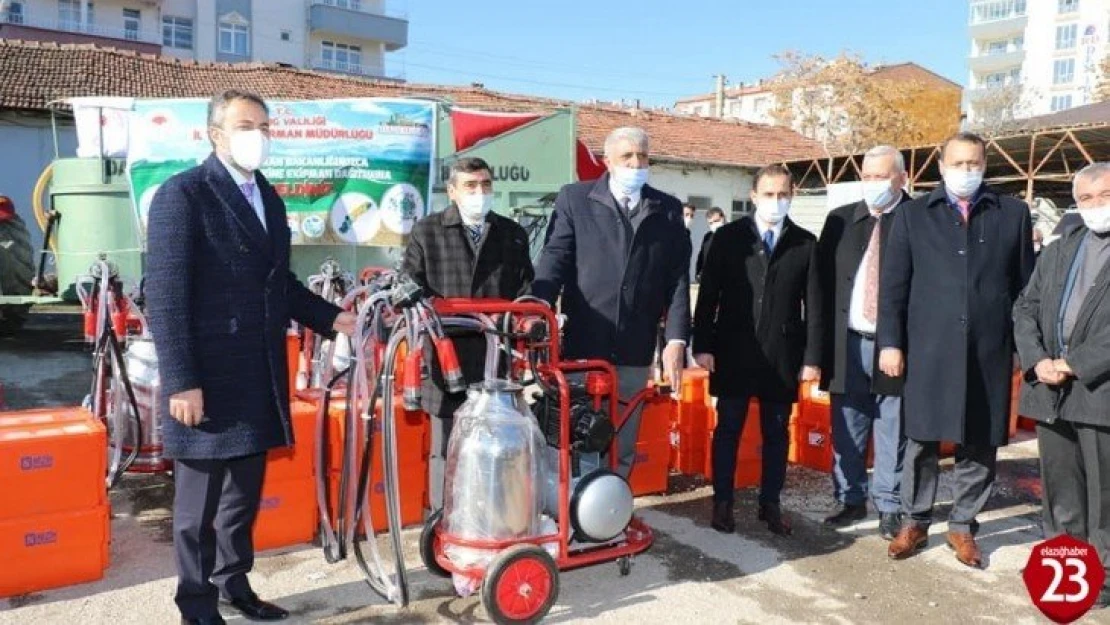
721, 184
270, 18
32, 139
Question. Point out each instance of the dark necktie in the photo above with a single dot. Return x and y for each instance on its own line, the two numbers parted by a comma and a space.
475, 233
769, 242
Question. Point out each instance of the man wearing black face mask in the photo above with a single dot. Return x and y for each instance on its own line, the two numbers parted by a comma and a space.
465, 251
956, 261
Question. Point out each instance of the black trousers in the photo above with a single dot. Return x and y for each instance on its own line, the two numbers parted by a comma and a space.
214, 507
975, 473
1075, 476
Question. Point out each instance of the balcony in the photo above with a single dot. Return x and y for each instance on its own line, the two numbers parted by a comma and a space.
996, 61
993, 19
369, 72
352, 19
31, 28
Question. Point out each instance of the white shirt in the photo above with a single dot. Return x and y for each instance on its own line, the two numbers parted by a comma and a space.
856, 320
633, 199
256, 196
764, 227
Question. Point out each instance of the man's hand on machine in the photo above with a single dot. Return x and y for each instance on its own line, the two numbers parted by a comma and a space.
673, 356
188, 407
345, 323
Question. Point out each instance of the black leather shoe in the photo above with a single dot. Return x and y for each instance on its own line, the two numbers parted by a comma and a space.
722, 518
256, 609
211, 620
847, 515
771, 514
890, 523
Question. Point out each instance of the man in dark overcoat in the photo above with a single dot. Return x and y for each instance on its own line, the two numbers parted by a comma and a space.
757, 331
467, 250
219, 299
1062, 329
957, 260
618, 254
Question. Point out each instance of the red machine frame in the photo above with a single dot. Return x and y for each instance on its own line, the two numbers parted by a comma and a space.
638, 536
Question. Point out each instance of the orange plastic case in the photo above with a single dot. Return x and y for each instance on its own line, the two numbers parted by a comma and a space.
53, 550
51, 461
286, 513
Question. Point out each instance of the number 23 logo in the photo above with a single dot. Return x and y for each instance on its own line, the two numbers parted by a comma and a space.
1052, 594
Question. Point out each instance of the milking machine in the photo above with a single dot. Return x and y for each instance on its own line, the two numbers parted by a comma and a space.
332, 284
526, 491
124, 393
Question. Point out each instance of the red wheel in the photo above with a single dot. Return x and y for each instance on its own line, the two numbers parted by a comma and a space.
521, 585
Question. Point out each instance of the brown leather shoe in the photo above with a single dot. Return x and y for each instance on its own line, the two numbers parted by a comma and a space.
910, 540
967, 552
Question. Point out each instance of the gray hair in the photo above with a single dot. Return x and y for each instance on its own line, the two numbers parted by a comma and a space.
627, 133
1094, 170
217, 106
880, 151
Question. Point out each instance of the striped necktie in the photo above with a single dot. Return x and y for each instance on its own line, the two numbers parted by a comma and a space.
475, 233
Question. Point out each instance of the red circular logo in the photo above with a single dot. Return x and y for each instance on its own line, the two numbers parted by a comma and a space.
1064, 577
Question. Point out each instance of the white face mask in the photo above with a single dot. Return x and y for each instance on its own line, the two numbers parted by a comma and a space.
474, 207
1096, 219
772, 210
878, 194
961, 182
687, 221
629, 179
249, 148
713, 227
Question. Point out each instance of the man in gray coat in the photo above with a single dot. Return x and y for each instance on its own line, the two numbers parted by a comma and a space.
1062, 330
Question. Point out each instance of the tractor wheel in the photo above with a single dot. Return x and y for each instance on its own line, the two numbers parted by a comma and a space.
521, 585
16, 271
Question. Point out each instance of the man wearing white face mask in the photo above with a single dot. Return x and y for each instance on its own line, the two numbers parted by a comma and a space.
757, 329
1062, 329
219, 299
865, 401
467, 250
618, 254
956, 261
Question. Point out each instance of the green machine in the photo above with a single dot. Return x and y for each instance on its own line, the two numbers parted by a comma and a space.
531, 161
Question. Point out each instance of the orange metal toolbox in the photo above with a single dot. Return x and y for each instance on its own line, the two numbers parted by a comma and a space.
53, 550
655, 421
296, 462
286, 513
812, 445
652, 467
44, 416
52, 466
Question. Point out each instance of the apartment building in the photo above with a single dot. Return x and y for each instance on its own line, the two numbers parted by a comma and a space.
345, 36
1047, 53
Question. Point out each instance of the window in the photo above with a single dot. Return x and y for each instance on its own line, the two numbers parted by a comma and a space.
286, 35
1065, 36
131, 21
1063, 71
177, 32
342, 57
346, 4
69, 15
996, 79
234, 37
1061, 102
997, 47
700, 202
15, 13
740, 208
1067, 6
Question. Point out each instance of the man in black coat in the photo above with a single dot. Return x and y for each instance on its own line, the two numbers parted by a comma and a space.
956, 261
1062, 329
757, 330
464, 251
219, 299
715, 218
864, 401
618, 253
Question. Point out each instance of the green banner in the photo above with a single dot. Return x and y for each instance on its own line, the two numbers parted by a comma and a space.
354, 171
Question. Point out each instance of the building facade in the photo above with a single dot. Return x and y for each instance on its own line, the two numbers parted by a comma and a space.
1034, 57
346, 36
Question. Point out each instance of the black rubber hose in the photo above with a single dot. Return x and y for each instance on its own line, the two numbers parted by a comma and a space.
117, 354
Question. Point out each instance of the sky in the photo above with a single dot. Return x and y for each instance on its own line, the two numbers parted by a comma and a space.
658, 51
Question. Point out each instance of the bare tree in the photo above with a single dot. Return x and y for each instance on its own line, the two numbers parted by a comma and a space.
1001, 108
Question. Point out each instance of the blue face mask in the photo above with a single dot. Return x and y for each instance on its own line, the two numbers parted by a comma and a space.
628, 179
